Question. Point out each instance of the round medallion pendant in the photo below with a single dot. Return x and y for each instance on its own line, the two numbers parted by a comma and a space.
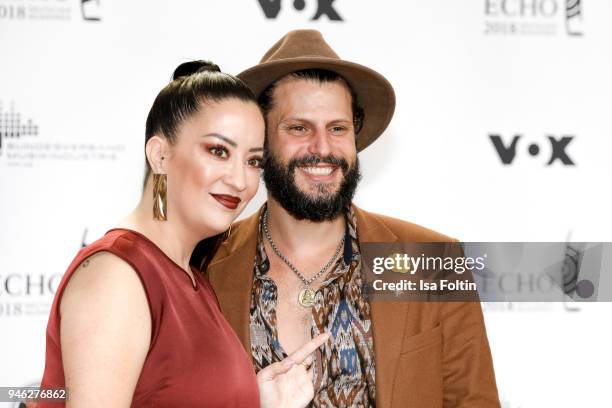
306, 297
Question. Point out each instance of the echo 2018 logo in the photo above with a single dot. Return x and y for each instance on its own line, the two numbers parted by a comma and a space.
507, 151
90, 10
50, 10
272, 8
533, 17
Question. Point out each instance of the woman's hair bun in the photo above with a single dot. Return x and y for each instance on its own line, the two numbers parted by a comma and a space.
192, 67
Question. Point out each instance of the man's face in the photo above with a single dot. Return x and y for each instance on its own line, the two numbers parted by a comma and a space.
311, 168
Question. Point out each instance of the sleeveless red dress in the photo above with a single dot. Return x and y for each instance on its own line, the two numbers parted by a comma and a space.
195, 359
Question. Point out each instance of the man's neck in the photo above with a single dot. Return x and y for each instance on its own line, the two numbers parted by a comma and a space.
298, 235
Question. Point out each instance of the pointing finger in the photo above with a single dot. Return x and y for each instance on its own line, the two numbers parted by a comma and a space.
300, 354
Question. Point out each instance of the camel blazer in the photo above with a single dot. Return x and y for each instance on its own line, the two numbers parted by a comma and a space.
427, 354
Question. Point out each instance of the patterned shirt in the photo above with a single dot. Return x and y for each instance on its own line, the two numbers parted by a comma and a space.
344, 370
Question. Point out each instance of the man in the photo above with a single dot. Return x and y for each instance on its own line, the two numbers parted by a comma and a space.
294, 269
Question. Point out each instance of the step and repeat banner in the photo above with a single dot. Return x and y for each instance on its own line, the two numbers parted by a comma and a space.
501, 133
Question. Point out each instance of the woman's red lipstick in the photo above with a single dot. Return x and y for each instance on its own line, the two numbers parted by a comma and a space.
228, 201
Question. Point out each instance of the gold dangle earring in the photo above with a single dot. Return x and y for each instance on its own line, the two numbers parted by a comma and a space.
226, 234
160, 199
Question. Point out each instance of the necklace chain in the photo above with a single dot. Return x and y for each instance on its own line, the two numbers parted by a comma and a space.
307, 282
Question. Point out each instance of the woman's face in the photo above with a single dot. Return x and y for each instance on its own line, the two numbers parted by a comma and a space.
214, 166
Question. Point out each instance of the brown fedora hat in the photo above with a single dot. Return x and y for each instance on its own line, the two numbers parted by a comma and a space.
304, 49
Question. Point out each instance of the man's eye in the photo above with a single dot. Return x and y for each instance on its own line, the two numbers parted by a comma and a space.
218, 151
338, 129
299, 128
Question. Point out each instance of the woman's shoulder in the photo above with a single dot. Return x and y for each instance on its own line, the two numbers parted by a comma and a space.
105, 267
100, 277
115, 240
102, 272
118, 250
122, 265
105, 325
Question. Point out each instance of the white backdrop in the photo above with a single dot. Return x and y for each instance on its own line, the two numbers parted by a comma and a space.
75, 91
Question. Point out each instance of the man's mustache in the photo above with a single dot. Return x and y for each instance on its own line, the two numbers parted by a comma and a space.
314, 159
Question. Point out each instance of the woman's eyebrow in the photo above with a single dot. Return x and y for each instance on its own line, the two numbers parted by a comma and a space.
224, 138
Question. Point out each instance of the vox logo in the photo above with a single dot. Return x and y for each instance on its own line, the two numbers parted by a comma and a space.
272, 8
507, 150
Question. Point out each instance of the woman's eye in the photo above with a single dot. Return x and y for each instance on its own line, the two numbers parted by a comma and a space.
218, 151
255, 162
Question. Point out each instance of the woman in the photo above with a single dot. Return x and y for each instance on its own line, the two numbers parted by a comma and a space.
132, 323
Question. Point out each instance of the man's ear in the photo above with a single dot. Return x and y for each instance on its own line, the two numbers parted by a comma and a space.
156, 150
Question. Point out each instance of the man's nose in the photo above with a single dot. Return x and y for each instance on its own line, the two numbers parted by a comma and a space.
320, 143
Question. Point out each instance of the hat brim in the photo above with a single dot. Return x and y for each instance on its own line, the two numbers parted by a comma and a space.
374, 92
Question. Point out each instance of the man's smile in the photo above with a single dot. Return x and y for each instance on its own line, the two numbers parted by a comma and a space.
319, 172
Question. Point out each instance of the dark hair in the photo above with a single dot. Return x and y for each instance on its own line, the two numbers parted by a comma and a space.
266, 100
193, 84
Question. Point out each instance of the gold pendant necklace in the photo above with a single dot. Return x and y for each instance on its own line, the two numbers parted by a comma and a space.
306, 297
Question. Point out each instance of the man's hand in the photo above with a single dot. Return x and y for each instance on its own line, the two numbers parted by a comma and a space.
287, 384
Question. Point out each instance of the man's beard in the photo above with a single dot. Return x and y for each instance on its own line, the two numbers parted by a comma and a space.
325, 205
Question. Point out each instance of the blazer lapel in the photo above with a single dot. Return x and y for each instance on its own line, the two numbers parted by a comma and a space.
388, 317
